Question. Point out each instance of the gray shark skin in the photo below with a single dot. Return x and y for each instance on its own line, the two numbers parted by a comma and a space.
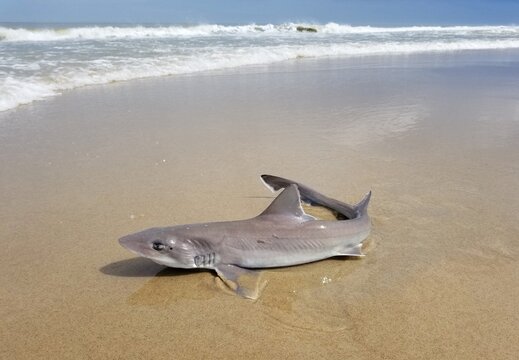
282, 235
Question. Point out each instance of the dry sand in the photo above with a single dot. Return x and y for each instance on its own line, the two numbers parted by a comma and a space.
436, 137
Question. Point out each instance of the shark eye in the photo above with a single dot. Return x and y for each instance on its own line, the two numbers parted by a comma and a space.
157, 245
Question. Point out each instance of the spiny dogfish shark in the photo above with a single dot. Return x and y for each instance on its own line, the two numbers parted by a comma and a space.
282, 235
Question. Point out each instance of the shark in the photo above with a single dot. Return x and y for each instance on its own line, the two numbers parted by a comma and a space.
282, 235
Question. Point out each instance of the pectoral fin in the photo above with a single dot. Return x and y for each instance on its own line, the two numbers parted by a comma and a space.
351, 251
244, 282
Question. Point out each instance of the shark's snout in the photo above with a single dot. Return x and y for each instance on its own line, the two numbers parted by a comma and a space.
155, 245
150, 243
128, 242
135, 244
125, 241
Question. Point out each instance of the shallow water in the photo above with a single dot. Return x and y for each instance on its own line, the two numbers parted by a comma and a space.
435, 137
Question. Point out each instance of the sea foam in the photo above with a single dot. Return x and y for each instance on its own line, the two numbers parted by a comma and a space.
139, 32
40, 62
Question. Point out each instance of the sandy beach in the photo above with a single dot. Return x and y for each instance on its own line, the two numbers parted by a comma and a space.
434, 136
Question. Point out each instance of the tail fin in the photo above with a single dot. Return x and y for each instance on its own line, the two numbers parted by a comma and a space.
362, 206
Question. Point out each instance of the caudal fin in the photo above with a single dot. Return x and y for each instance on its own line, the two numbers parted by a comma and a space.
362, 206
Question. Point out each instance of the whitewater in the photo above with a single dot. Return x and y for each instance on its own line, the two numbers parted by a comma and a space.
37, 62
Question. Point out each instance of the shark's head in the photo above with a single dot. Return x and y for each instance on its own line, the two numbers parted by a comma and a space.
163, 247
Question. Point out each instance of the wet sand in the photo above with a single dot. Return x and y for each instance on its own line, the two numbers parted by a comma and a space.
436, 137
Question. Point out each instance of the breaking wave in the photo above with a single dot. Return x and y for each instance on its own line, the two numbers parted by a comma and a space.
139, 32
42, 62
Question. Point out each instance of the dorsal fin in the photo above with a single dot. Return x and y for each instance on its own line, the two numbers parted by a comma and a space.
288, 203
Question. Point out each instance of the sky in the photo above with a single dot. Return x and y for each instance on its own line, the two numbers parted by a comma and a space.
354, 12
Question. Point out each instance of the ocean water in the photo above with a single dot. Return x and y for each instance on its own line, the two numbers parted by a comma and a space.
37, 62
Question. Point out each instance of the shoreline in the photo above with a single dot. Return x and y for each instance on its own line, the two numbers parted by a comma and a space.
435, 137
264, 67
